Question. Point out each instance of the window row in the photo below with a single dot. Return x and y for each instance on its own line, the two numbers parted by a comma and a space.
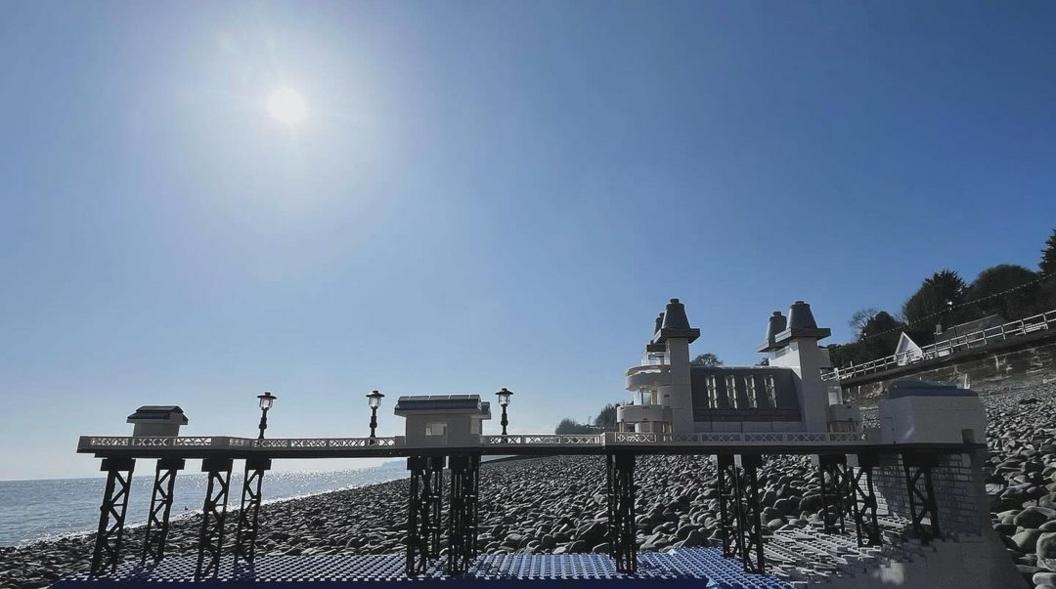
723, 394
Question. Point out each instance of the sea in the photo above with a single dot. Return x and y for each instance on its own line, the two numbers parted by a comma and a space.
48, 508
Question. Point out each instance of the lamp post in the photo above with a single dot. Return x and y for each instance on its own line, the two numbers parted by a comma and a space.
504, 400
374, 399
266, 401
949, 319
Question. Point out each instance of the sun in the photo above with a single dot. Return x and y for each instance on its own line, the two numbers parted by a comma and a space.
287, 106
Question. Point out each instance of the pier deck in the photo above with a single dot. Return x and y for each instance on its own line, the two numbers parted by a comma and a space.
691, 567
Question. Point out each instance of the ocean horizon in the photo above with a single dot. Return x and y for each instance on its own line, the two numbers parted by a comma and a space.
41, 509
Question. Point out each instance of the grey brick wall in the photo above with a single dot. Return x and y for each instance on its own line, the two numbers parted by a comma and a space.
958, 486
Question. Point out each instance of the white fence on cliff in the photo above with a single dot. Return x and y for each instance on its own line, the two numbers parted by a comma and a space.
958, 343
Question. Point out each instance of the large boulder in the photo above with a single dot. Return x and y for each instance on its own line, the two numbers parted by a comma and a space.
787, 506
515, 540
1044, 578
683, 531
1027, 540
810, 503
694, 538
1045, 548
593, 534
1034, 517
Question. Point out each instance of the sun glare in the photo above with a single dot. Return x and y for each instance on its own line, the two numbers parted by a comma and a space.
287, 106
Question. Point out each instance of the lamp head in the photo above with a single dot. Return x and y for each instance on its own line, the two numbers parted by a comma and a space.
374, 399
504, 396
266, 400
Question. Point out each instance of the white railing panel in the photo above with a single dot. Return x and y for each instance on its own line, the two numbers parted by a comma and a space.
555, 440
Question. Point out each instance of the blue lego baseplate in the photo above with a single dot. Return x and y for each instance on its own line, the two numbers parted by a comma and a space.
688, 567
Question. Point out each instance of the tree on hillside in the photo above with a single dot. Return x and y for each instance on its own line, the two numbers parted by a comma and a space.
1047, 291
995, 280
936, 301
846, 354
1048, 255
877, 338
606, 418
880, 334
571, 426
881, 324
707, 359
860, 318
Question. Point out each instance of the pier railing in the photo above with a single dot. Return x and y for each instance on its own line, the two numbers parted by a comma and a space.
958, 343
228, 442
188, 446
738, 438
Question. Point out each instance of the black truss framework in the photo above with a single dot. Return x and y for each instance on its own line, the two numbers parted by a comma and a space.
845, 489
623, 547
922, 503
248, 515
866, 527
107, 551
462, 517
729, 506
837, 494
214, 511
436, 504
750, 524
157, 528
419, 513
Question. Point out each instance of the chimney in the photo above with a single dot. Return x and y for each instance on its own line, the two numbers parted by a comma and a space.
774, 326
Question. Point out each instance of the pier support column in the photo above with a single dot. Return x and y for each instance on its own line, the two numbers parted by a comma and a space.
462, 513
729, 505
866, 526
214, 511
917, 467
623, 547
436, 504
246, 533
419, 514
157, 528
750, 523
836, 492
107, 551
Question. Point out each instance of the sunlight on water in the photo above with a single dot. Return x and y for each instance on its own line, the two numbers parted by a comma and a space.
31, 510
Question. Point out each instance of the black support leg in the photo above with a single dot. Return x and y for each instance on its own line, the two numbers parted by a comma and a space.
611, 503
462, 509
214, 511
621, 493
436, 504
107, 551
836, 493
419, 512
729, 505
751, 524
866, 525
157, 528
246, 534
922, 504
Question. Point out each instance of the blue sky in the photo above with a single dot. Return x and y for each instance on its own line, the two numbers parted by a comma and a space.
483, 194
